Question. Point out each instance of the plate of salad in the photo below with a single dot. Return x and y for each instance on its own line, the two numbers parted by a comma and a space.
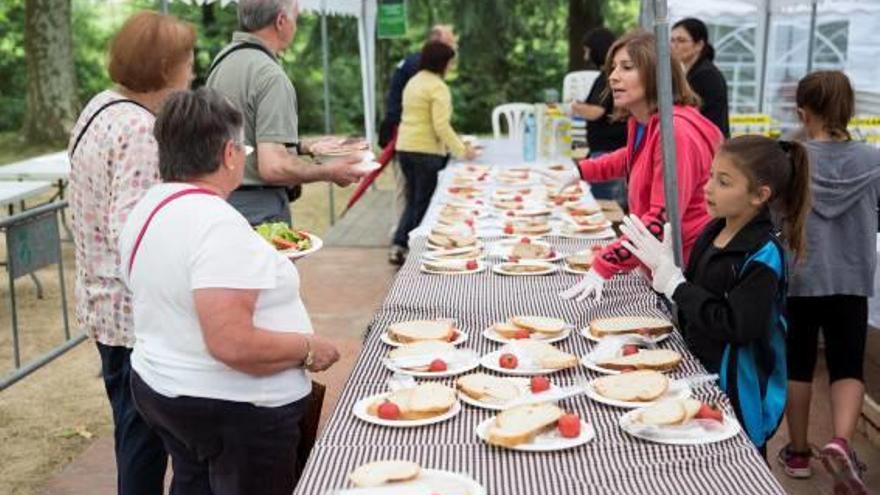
290, 242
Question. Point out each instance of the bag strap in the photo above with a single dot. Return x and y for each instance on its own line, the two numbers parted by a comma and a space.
103, 107
241, 46
162, 204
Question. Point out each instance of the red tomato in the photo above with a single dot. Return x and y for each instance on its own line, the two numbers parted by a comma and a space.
710, 412
437, 366
508, 361
283, 243
453, 336
471, 265
569, 425
510, 213
630, 349
525, 240
522, 333
539, 384
508, 229
518, 198
389, 410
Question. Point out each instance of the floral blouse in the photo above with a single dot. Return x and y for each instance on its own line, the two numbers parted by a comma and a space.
115, 163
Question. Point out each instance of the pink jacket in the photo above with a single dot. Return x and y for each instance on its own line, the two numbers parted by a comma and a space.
696, 140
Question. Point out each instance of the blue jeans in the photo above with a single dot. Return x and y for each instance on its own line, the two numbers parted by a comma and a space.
140, 456
420, 171
612, 189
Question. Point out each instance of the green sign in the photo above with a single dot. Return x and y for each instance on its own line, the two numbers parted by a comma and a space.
33, 244
392, 19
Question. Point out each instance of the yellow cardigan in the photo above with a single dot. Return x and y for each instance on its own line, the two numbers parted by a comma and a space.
424, 124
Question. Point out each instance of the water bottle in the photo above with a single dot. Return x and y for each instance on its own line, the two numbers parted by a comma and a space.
530, 139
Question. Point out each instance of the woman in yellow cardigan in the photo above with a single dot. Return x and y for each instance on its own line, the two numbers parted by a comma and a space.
425, 138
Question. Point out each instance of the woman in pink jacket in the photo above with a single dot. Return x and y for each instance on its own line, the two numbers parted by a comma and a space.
631, 66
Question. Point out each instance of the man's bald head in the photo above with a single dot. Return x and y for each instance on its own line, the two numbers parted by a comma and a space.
444, 34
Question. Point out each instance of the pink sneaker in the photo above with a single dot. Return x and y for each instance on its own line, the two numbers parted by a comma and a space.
795, 464
841, 462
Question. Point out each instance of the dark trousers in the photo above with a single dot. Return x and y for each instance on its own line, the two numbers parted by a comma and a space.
420, 171
260, 204
843, 320
140, 455
221, 447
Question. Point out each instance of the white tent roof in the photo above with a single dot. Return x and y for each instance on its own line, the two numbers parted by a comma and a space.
751, 8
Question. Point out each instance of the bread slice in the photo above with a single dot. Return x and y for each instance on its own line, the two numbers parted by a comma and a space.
488, 388
547, 356
451, 240
532, 229
418, 330
643, 325
381, 472
523, 268
522, 424
506, 329
468, 254
580, 261
542, 324
669, 413
530, 251
424, 401
637, 386
423, 348
582, 210
645, 359
449, 266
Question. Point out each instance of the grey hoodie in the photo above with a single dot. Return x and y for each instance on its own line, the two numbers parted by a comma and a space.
842, 227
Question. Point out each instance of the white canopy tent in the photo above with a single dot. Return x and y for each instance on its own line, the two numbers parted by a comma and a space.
365, 13
764, 47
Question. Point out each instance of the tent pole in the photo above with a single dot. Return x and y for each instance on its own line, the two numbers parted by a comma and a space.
664, 96
764, 27
163, 6
325, 59
812, 39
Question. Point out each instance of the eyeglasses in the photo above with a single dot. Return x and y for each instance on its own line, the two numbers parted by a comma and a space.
244, 147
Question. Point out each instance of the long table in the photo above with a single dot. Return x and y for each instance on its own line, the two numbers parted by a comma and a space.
613, 462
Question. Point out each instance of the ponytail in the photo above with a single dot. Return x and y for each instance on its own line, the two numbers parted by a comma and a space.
795, 202
784, 167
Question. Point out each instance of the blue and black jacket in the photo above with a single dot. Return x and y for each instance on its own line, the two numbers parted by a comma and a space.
731, 313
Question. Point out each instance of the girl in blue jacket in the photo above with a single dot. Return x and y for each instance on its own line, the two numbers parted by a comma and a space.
730, 298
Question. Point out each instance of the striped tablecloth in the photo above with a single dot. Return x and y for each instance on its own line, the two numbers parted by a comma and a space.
613, 463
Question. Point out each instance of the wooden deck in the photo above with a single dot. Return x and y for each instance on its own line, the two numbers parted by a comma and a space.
367, 224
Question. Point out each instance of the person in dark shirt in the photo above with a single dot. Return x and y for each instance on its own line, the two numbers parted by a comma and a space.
690, 44
404, 70
603, 133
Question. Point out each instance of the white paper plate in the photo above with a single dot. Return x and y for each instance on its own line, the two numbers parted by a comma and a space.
677, 390
729, 429
546, 442
476, 245
428, 481
548, 268
492, 335
589, 363
293, 254
585, 332
360, 411
494, 406
462, 368
462, 337
481, 267
490, 361
568, 269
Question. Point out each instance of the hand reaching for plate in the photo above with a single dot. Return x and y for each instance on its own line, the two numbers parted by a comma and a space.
561, 179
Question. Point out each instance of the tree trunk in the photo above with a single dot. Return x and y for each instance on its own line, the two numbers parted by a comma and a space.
51, 91
583, 15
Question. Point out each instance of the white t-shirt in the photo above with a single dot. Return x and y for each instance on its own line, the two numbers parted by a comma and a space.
200, 241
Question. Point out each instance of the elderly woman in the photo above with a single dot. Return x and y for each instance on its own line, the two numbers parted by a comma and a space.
114, 160
424, 139
223, 340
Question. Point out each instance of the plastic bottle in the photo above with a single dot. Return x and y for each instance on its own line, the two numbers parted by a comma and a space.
530, 138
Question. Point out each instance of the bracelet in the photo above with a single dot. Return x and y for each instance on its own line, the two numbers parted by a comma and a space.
310, 358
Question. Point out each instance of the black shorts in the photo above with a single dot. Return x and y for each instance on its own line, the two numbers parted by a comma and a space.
844, 324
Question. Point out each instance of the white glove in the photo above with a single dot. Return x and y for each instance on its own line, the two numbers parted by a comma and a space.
656, 255
562, 179
589, 286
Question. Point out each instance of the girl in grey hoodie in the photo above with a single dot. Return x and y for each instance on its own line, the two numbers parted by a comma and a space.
830, 288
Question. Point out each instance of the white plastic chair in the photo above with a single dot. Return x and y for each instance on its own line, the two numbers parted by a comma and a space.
576, 85
515, 114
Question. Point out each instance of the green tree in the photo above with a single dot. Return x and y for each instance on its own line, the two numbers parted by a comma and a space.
51, 88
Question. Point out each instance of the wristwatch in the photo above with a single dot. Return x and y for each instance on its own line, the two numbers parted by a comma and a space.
310, 358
